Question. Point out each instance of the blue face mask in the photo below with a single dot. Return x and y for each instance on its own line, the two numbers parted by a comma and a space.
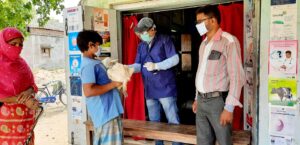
146, 37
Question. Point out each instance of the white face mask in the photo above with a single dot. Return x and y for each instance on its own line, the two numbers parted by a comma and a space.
201, 28
98, 52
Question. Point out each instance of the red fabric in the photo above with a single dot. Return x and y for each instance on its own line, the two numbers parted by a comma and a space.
16, 122
16, 75
134, 103
11, 33
232, 22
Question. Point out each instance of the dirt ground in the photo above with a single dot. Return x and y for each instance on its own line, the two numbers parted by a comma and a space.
51, 128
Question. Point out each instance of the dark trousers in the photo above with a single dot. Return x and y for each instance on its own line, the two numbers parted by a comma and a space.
208, 124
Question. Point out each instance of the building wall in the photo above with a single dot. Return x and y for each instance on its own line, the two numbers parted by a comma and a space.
44, 38
264, 110
52, 36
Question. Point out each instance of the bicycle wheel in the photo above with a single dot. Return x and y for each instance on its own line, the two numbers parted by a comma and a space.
40, 95
63, 97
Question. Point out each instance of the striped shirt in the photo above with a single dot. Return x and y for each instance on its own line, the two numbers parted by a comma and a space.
220, 68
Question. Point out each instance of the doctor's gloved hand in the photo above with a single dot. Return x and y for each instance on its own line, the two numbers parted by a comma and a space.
150, 66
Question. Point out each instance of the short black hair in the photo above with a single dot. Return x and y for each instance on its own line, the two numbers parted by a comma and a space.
288, 51
211, 11
86, 36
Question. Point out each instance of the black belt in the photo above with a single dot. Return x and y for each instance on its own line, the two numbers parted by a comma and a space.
213, 94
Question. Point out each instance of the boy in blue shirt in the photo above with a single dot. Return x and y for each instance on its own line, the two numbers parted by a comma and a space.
102, 97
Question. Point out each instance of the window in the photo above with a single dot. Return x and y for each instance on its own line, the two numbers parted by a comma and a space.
46, 52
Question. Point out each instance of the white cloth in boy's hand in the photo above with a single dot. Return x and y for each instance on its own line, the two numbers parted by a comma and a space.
120, 73
108, 62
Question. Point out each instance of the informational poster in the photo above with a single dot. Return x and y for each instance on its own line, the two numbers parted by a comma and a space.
74, 19
281, 140
100, 20
75, 64
283, 56
105, 47
283, 21
72, 37
100, 23
282, 121
75, 86
282, 2
282, 92
76, 108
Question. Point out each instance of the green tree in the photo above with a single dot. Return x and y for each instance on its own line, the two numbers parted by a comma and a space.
19, 13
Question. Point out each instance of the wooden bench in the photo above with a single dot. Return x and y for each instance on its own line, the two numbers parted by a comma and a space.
168, 132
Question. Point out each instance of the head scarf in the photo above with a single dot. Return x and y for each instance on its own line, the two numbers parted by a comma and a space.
15, 74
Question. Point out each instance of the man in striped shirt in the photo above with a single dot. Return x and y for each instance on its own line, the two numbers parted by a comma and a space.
219, 79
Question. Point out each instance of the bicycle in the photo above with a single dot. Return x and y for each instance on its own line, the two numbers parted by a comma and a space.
44, 95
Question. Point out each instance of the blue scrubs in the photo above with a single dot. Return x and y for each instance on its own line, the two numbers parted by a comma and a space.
161, 83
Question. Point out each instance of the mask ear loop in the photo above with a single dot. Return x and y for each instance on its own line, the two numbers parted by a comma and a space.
154, 27
90, 44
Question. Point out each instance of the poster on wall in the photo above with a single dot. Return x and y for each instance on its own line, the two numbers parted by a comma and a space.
283, 22
281, 140
75, 64
283, 56
72, 39
74, 19
105, 46
75, 86
282, 2
76, 108
100, 20
282, 92
100, 23
282, 121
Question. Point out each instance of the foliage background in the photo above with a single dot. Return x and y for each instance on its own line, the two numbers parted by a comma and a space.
19, 13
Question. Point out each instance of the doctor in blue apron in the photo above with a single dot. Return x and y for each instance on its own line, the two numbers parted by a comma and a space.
155, 59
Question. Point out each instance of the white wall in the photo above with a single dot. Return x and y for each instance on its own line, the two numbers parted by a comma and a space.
263, 89
32, 52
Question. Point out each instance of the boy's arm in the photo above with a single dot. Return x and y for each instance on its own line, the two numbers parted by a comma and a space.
91, 89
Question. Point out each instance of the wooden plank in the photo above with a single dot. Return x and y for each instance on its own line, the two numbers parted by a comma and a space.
169, 132
186, 43
161, 136
159, 126
160, 131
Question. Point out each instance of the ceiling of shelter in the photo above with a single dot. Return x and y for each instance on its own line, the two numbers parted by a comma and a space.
149, 5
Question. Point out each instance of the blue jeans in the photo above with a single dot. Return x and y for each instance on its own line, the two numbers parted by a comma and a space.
170, 108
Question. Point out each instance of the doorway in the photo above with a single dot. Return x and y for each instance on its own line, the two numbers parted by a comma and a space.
180, 25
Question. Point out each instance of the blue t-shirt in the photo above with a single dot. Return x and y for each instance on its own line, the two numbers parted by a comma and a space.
104, 107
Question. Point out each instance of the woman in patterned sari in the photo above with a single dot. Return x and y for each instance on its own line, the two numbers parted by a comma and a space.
17, 90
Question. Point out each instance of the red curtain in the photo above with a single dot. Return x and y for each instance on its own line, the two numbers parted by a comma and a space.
232, 22
134, 105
